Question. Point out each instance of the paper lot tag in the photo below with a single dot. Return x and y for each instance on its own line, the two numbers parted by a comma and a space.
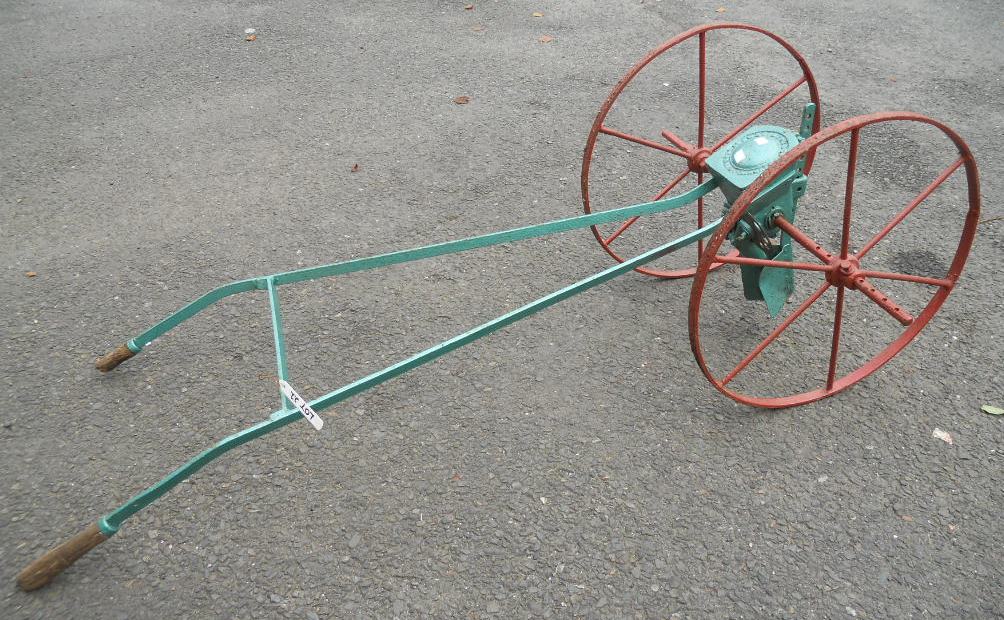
301, 404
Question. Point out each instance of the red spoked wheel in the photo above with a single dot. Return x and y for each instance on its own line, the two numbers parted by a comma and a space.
686, 159
864, 263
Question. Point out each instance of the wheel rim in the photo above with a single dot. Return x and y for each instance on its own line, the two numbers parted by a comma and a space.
844, 278
694, 164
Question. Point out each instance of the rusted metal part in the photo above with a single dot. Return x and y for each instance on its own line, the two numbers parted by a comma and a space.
845, 270
694, 154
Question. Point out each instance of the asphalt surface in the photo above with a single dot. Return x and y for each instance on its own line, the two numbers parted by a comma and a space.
577, 464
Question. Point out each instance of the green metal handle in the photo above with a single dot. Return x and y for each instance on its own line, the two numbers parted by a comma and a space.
111, 522
393, 258
43, 570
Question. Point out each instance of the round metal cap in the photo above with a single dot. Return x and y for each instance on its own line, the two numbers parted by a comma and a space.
759, 150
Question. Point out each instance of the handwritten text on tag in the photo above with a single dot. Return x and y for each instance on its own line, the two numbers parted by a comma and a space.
301, 404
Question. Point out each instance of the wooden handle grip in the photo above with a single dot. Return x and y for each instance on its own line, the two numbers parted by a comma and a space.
43, 570
109, 361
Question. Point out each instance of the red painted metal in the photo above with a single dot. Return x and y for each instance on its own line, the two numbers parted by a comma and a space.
838, 317
852, 161
845, 239
907, 278
702, 96
846, 272
675, 139
764, 262
791, 318
864, 285
803, 239
696, 154
910, 207
763, 110
843, 271
662, 194
642, 141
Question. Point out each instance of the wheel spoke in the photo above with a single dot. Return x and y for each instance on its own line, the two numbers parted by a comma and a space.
845, 240
803, 239
669, 186
910, 207
641, 141
906, 277
675, 139
702, 90
662, 194
838, 313
845, 237
621, 229
764, 262
700, 217
770, 104
791, 318
891, 307
702, 86
746, 366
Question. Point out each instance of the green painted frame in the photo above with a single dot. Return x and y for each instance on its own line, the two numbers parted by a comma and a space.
110, 523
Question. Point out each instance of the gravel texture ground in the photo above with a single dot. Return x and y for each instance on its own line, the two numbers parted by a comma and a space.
576, 464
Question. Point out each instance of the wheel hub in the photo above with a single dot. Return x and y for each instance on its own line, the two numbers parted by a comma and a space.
844, 272
697, 159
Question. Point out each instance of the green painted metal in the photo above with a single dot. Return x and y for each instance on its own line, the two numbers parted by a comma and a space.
429, 251
112, 521
737, 164
808, 115
731, 171
506, 236
213, 296
280, 340
511, 317
776, 284
780, 198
